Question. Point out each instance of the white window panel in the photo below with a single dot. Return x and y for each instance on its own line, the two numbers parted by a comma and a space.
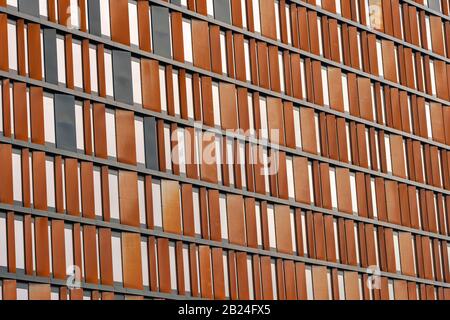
223, 216
369, 161
61, 59
372, 100
186, 268
136, 76
274, 278
3, 244
319, 32
341, 285
218, 155
223, 52
74, 14
79, 125
336, 237
380, 58
140, 145
309, 284
104, 18
288, 23
11, 109
12, 45
172, 266
263, 115
77, 64
428, 32
109, 73
339, 34
196, 205
358, 39
250, 113
266, 169
167, 146
116, 244
353, 192
256, 16
98, 192
12, 3
176, 92
374, 198
17, 175
144, 261
303, 77
43, 8
326, 100
49, 119
277, 19
114, 195
216, 103
156, 194
68, 243
110, 132
50, 178
133, 20
387, 144
281, 68
28, 112
181, 151
244, 13
355, 231
293, 238
258, 223
225, 274
189, 96
162, 88
345, 93
187, 41
297, 131
271, 223
290, 177
334, 203
141, 196
317, 126
22, 293
432, 78
210, 7
248, 75
311, 185
250, 277
49, 236
93, 68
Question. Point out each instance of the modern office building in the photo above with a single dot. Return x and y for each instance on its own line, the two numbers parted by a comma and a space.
225, 149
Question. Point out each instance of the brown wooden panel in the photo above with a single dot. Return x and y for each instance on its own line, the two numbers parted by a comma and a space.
335, 89
267, 12
105, 256
34, 51
283, 229
144, 26
120, 27
39, 181
151, 98
39, 291
42, 249
170, 191
397, 156
275, 120
125, 137
228, 113
20, 111
71, 180
200, 44
320, 283
205, 271
236, 223
351, 285
217, 271
90, 254
99, 124
301, 180
128, 198
308, 130
132, 268
58, 250
344, 195
389, 66
6, 176
87, 190
392, 202
4, 63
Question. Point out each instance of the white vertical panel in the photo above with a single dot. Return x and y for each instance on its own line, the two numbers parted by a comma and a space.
187, 40
110, 132
79, 125
49, 119
61, 60
50, 181
116, 244
162, 88
133, 21
109, 73
223, 216
12, 45
17, 175
140, 143
98, 192
114, 195
271, 223
136, 76
77, 64
157, 211
141, 196
3, 244
104, 18
19, 243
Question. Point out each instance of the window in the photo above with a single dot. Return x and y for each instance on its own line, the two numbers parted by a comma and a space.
77, 64
353, 192
144, 262
17, 175
136, 76
176, 94
133, 20
281, 69
3, 244
109, 73
380, 58
271, 223
139, 134
187, 40
210, 7
68, 241
74, 14
186, 268
123, 85
114, 194
256, 16
50, 176
98, 192
223, 216
223, 52
93, 68
104, 17
141, 196
116, 245
326, 100
222, 11
151, 144
156, 194
12, 45
277, 19
334, 203
162, 88
61, 59
274, 278
311, 185
161, 31
298, 137
225, 274
290, 177
79, 125
189, 96
248, 75
110, 133
172, 266
258, 223
250, 277
167, 146
65, 122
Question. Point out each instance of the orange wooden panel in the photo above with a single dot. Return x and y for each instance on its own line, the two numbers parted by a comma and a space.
351, 286
228, 113
267, 12
200, 44
275, 120
308, 130
390, 68
125, 137
120, 27
58, 250
205, 271
344, 196
406, 253
39, 181
37, 115
171, 206
283, 229
132, 268
397, 156
128, 198
20, 111
6, 176
87, 189
105, 256
34, 51
320, 283
90, 254
42, 249
236, 222
72, 193
39, 291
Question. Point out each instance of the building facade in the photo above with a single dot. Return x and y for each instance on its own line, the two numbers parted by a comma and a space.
225, 149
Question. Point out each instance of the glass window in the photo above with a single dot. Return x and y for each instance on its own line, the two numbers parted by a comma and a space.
274, 278
258, 223
3, 244
133, 20
98, 192
104, 17
256, 17
162, 88
244, 13
196, 205
186, 269
65, 122
116, 245
189, 96
250, 277
380, 58
388, 153
113, 194
22, 291
144, 262
68, 241
353, 192
187, 40
50, 176
123, 86
167, 146
161, 31
303, 77
176, 93
248, 74
435, 5
17, 175
12, 45
50, 56
216, 103
271, 223
93, 68
77, 64
136, 75
288, 23
95, 19
311, 185
373, 195
109, 73
241, 146
110, 133
139, 134
298, 136
79, 125
309, 284
172, 266
222, 11
319, 34
223, 52
218, 154
210, 7
61, 59
326, 100
336, 239
141, 196
151, 144
12, 3
181, 150
156, 194
223, 216
334, 203
292, 220
281, 70
225, 274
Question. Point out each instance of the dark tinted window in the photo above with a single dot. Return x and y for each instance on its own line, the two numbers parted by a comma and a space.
94, 17
150, 140
29, 6
123, 86
435, 5
50, 56
65, 122
222, 10
161, 31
